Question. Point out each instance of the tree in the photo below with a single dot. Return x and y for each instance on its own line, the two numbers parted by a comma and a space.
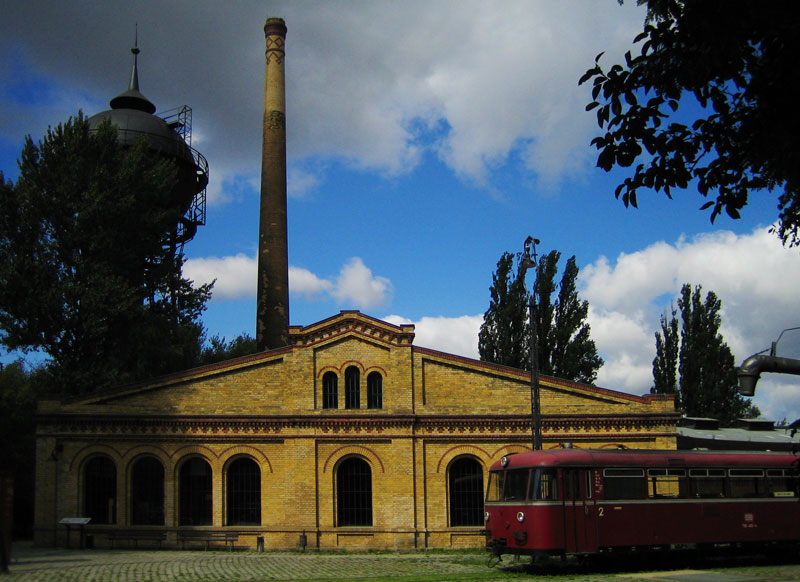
665, 364
706, 100
564, 347
88, 272
707, 385
19, 389
504, 336
219, 350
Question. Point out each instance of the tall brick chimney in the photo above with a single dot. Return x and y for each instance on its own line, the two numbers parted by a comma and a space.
272, 311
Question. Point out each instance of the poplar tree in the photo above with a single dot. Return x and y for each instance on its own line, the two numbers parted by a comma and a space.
707, 384
564, 346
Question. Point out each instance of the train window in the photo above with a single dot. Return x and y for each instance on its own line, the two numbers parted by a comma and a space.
516, 485
494, 490
624, 484
707, 482
544, 485
747, 482
782, 482
666, 482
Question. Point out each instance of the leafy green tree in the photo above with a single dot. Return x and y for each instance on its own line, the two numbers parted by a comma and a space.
19, 389
88, 272
504, 336
219, 350
665, 364
706, 100
564, 347
707, 384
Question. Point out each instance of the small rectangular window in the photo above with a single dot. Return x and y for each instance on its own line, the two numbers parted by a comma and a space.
516, 484
666, 483
624, 484
544, 485
783, 482
494, 491
707, 483
747, 483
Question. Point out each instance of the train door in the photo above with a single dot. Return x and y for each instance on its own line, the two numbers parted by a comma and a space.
580, 511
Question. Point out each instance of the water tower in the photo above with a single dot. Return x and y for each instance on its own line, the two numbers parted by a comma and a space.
169, 135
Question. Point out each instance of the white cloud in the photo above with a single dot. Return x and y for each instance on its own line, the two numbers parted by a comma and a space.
498, 80
235, 276
355, 286
502, 80
454, 335
753, 275
304, 282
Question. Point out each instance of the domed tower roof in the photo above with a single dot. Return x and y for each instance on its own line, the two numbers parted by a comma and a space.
133, 115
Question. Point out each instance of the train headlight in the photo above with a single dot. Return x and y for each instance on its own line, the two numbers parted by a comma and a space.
520, 516
485, 516
504, 461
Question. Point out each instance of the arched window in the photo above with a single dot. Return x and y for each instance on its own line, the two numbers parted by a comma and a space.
100, 490
374, 390
195, 492
466, 492
352, 388
244, 492
330, 390
353, 493
147, 492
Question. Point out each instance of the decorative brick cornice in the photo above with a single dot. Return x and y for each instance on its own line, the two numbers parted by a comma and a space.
203, 426
352, 323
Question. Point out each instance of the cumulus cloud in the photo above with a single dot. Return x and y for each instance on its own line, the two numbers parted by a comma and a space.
357, 285
235, 278
753, 275
454, 335
467, 82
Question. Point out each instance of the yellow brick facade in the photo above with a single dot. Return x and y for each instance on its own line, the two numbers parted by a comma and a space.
436, 408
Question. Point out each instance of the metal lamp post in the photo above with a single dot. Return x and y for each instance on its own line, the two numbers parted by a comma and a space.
528, 261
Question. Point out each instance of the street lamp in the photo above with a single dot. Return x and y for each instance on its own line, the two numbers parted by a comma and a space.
528, 261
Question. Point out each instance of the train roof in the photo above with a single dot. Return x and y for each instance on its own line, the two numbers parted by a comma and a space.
644, 458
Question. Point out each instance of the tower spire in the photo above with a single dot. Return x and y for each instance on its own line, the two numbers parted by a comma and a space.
134, 84
132, 98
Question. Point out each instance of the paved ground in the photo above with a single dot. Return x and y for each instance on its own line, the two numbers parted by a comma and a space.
31, 564
56, 565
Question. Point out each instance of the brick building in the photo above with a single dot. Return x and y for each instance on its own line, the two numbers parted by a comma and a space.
351, 435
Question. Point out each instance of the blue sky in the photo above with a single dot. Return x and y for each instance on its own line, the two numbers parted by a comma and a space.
425, 139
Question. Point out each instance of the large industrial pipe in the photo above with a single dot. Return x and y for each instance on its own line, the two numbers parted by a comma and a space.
272, 317
750, 370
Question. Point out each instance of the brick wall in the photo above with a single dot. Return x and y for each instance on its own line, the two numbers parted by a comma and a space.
268, 407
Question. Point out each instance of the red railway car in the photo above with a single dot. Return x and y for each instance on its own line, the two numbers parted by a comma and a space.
574, 501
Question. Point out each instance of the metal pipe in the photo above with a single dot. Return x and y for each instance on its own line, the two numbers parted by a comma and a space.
750, 370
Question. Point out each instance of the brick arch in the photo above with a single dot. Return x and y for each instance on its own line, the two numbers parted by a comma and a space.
349, 363
257, 455
349, 450
146, 450
95, 449
326, 369
179, 455
460, 450
381, 370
